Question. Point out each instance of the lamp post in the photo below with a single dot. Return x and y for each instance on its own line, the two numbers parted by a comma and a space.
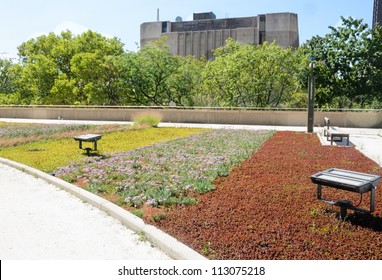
311, 85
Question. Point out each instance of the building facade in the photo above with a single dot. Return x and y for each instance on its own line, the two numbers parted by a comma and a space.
377, 13
205, 33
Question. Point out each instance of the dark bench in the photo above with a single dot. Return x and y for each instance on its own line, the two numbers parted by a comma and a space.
326, 126
93, 138
332, 133
349, 181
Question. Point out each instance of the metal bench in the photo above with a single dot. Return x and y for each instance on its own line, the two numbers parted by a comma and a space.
331, 133
326, 125
349, 181
93, 138
338, 134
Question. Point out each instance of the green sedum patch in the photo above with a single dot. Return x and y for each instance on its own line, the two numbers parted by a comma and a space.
48, 155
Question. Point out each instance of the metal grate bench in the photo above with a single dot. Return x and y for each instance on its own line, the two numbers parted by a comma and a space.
331, 133
349, 181
93, 138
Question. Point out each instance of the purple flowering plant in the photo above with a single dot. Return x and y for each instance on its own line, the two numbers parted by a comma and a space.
170, 172
26, 130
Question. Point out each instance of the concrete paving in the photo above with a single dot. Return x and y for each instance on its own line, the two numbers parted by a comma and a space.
367, 141
39, 220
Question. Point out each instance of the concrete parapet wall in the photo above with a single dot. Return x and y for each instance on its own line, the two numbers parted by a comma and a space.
244, 117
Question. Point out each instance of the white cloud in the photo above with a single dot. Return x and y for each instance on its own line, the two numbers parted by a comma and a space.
74, 27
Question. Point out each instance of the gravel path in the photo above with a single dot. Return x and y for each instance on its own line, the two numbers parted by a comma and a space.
40, 221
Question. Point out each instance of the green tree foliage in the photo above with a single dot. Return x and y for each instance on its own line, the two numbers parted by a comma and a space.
68, 69
91, 69
153, 77
185, 83
147, 73
347, 65
8, 79
375, 60
252, 76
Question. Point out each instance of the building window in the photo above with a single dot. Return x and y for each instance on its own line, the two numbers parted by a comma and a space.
164, 26
262, 37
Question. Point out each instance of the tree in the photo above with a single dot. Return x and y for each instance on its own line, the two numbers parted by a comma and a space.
36, 80
344, 67
375, 60
185, 83
68, 69
147, 72
8, 78
97, 78
252, 76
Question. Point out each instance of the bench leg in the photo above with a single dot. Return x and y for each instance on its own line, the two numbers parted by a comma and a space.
343, 212
319, 192
80, 144
372, 200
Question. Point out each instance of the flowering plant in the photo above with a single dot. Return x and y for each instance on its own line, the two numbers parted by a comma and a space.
167, 173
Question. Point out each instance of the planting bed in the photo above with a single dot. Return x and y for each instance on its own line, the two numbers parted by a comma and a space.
264, 209
165, 173
267, 208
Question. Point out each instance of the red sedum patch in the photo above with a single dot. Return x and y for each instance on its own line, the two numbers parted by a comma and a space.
267, 208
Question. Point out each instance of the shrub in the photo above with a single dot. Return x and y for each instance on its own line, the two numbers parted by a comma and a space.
147, 120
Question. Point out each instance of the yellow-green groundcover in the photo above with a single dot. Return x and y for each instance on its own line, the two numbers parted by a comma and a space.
48, 155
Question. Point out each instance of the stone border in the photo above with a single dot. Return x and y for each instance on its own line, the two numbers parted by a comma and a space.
169, 245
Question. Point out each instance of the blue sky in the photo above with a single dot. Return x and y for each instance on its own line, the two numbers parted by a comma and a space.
21, 20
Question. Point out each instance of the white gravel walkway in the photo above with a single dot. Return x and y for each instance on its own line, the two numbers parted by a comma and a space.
41, 221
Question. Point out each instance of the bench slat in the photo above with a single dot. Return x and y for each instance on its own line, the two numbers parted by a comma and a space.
355, 175
346, 180
88, 137
342, 180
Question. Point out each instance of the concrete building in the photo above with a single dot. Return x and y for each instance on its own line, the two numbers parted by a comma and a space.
206, 33
377, 13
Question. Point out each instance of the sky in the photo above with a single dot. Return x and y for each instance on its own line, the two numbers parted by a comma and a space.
22, 20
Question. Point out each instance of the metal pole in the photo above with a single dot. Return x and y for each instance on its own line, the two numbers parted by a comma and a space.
311, 85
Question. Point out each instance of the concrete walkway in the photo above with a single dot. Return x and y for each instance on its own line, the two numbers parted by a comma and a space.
367, 141
38, 220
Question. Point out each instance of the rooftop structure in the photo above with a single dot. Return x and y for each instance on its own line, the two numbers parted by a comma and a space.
205, 33
377, 13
